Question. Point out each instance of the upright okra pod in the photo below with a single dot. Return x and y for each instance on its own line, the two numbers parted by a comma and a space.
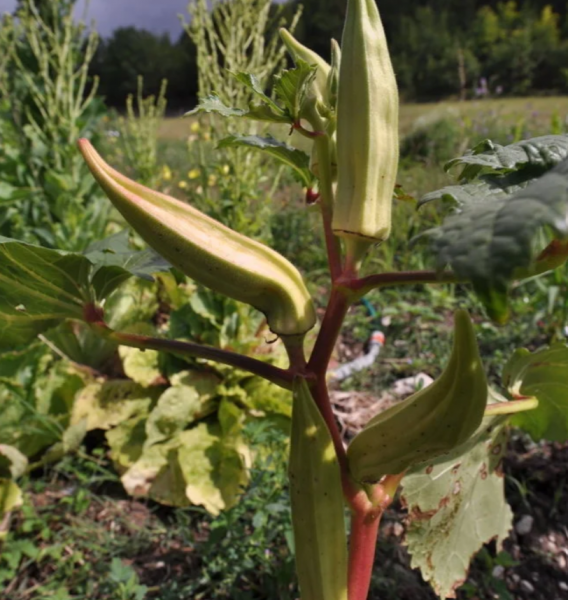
207, 251
367, 132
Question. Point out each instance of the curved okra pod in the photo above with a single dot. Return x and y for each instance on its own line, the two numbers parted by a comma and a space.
209, 252
431, 422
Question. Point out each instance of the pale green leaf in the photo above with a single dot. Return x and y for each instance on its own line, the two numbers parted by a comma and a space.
13, 463
457, 505
213, 104
542, 374
142, 366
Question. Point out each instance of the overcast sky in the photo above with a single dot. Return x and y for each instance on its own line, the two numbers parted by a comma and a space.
158, 16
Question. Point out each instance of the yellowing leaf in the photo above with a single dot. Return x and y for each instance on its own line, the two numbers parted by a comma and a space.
140, 365
10, 498
457, 505
107, 404
214, 472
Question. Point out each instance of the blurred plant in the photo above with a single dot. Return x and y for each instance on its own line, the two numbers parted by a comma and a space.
139, 133
231, 38
46, 106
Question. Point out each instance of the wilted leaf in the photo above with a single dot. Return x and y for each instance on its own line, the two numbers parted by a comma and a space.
542, 374
154, 460
71, 441
456, 506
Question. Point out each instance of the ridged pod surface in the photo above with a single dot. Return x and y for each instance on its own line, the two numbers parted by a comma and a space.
316, 495
208, 251
432, 421
367, 129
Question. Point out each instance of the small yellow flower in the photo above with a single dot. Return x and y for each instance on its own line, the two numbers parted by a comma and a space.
195, 127
194, 173
166, 173
211, 180
225, 169
182, 185
206, 136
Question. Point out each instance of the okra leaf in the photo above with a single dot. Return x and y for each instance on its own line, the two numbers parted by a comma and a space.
544, 375
41, 287
38, 289
257, 111
483, 190
296, 159
253, 84
490, 242
457, 505
114, 262
291, 87
538, 154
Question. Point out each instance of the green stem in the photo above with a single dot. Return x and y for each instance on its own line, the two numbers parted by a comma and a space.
512, 407
280, 377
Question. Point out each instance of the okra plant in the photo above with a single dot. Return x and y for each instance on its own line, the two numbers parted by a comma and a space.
442, 447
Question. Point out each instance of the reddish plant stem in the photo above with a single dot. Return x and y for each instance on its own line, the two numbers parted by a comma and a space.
365, 521
362, 545
360, 287
281, 377
331, 326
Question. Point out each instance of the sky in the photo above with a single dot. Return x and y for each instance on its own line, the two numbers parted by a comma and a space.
159, 16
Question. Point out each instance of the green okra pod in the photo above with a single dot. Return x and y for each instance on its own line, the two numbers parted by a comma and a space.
367, 131
209, 252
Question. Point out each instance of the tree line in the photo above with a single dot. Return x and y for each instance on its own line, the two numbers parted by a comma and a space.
440, 48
